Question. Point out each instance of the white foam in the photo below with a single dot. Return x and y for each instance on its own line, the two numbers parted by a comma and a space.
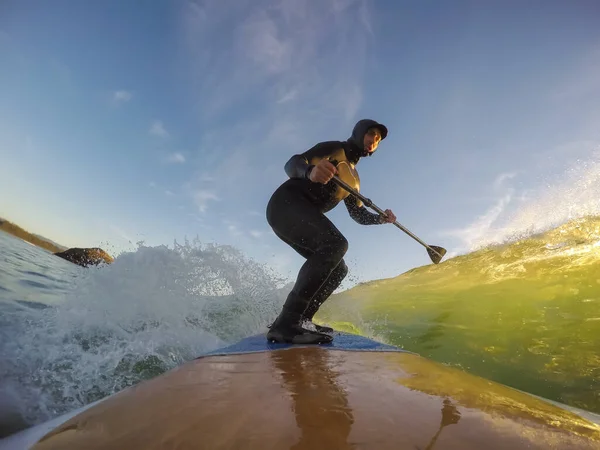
149, 311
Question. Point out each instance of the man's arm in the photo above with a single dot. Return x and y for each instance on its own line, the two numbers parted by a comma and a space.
298, 165
360, 214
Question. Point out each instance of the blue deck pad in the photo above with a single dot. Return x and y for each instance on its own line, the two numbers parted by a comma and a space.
341, 341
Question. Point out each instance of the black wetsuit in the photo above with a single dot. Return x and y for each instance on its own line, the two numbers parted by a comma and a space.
296, 215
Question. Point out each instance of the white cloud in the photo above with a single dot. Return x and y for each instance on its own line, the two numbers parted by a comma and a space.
482, 231
256, 234
176, 158
202, 197
487, 228
232, 227
288, 96
500, 179
263, 43
122, 96
200, 221
158, 129
169, 193
234, 230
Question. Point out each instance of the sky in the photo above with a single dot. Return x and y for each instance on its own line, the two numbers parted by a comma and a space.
127, 121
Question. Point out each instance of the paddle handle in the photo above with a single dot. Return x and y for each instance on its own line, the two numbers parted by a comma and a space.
371, 205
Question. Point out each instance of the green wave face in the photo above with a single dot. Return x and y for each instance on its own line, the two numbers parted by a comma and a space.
526, 314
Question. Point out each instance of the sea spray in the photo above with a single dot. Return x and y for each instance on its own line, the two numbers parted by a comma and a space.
149, 311
557, 199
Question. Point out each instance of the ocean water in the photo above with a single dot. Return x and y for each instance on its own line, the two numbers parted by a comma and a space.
525, 314
519, 305
71, 335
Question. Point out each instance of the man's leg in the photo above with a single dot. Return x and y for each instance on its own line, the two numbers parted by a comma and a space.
330, 285
327, 288
296, 221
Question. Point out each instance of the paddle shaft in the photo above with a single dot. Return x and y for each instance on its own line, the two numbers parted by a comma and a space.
370, 204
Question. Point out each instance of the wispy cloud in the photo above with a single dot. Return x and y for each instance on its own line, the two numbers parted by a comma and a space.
514, 213
158, 129
202, 197
265, 44
277, 49
486, 228
288, 96
502, 178
232, 227
121, 97
297, 71
176, 158
234, 230
256, 234
206, 178
482, 231
169, 193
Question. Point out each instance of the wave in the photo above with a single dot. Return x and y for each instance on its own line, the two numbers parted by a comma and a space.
146, 313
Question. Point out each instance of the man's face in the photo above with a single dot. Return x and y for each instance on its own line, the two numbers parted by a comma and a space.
371, 140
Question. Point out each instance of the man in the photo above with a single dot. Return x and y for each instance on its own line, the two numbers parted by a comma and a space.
296, 215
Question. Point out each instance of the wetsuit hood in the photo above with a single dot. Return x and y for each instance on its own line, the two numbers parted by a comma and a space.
357, 139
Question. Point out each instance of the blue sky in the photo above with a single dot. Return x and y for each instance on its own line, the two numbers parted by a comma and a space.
123, 121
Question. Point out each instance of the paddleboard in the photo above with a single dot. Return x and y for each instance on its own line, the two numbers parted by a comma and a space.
355, 393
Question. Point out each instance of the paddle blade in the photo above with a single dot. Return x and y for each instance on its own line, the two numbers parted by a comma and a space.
436, 253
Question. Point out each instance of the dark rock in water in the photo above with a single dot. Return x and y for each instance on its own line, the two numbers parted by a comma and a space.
86, 256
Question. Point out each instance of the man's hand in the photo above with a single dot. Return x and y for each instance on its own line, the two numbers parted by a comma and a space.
389, 217
322, 172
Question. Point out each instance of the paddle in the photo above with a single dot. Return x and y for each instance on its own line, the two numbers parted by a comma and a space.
435, 253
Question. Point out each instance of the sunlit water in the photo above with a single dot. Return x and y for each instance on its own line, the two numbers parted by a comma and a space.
520, 306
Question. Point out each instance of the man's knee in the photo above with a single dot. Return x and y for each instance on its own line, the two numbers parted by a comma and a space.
337, 246
341, 270
343, 246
